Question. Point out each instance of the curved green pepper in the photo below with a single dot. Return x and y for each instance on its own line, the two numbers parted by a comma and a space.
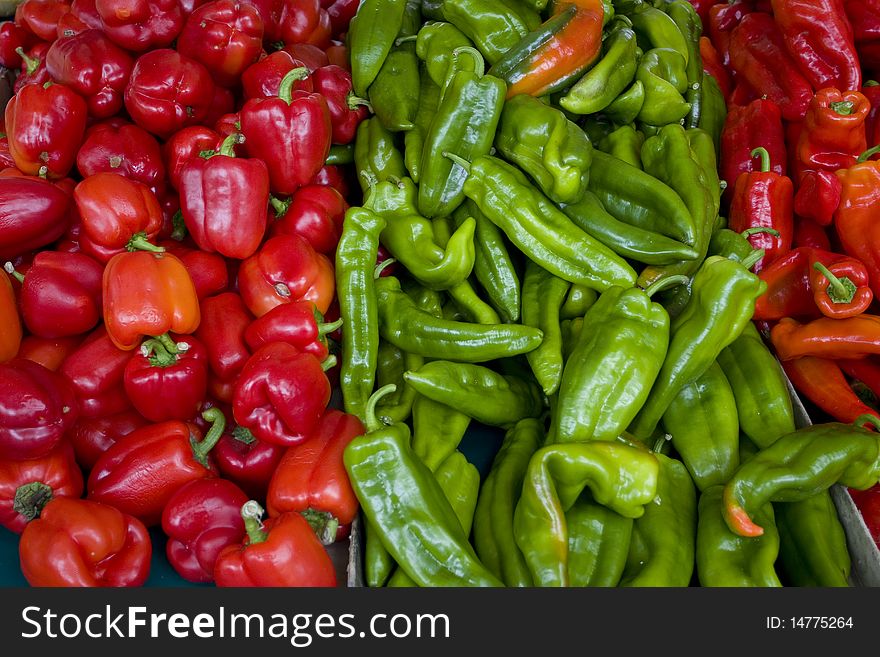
376, 157
371, 35
714, 110
434, 45
495, 26
598, 543
394, 94
654, 27
391, 363
414, 140
685, 17
624, 109
437, 430
577, 302
624, 143
663, 72
543, 296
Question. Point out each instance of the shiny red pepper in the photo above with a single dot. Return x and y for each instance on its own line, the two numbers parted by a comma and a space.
140, 472
12, 37
49, 352
338, 55
855, 223
41, 16
185, 145
817, 196
807, 232
95, 371
223, 199
840, 285
298, 21
92, 436
26, 485
281, 394
833, 135
713, 65
341, 12
168, 91
140, 25
10, 326
83, 543
167, 378
283, 551
247, 461
346, 111
33, 213
299, 324
224, 321
33, 67
851, 337
823, 382
314, 212
200, 519
311, 56
291, 133
262, 79
45, 125
864, 17
38, 407
335, 176
864, 372
209, 271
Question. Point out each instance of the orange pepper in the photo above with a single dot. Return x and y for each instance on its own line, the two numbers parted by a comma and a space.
10, 326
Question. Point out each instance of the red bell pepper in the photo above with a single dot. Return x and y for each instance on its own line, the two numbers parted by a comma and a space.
864, 17
341, 12
12, 37
817, 196
119, 146
92, 436
758, 55
764, 199
864, 372
229, 124
223, 102
299, 324
224, 201
140, 25
140, 472
83, 543
851, 337
26, 485
338, 55
855, 219
713, 65
61, 294
311, 477
840, 287
38, 407
41, 16
262, 79
185, 145
168, 91
286, 269
809, 233
819, 37
335, 176
94, 67
833, 135
167, 379
291, 133
49, 352
871, 91
10, 326
33, 213
314, 212
200, 519
822, 382
148, 294
247, 461
82, 15
224, 321
346, 110
95, 371
224, 35
281, 394
283, 551
298, 21
209, 271
117, 214
45, 124
311, 56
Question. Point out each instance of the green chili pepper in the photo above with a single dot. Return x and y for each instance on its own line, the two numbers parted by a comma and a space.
378, 562
571, 331
376, 157
391, 363
763, 402
799, 465
371, 35
540, 229
725, 559
426, 299
702, 420
487, 396
654, 27
493, 519
813, 550
706, 154
434, 46
465, 123
714, 110
355, 265
543, 296
628, 105
577, 302
663, 72
609, 77
598, 543
690, 26
400, 496
404, 324
495, 26
721, 303
414, 140
437, 430
340, 154
394, 94
732, 245
624, 143
620, 476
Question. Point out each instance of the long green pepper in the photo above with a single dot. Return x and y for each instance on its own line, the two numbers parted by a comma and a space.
371, 35
543, 296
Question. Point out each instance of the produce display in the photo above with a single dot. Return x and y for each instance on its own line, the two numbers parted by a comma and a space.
269, 264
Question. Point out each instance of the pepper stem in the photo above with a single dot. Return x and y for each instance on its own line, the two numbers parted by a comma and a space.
251, 513
243, 435
285, 89
665, 283
329, 327
382, 266
840, 289
864, 157
31, 63
373, 423
279, 206
328, 363
354, 101
748, 232
751, 260
476, 55
227, 148
323, 523
158, 353
761, 152
218, 424
405, 39
139, 242
460, 161
867, 418
179, 232
30, 499
843, 107
9, 268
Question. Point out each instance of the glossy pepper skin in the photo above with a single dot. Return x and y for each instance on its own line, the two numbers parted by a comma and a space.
297, 22
83, 543
39, 407
200, 519
248, 462
10, 328
833, 135
799, 465
598, 542
825, 337
282, 551
855, 232
314, 212
33, 213
346, 112
92, 436
139, 473
297, 323
543, 296
262, 79
376, 157
824, 383
95, 369
140, 25
391, 365
26, 485
224, 319
371, 35
185, 145
45, 124
663, 73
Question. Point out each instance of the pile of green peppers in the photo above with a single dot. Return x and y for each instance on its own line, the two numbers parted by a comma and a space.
557, 268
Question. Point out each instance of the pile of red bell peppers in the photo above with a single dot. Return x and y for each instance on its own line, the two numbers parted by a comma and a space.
173, 181
799, 156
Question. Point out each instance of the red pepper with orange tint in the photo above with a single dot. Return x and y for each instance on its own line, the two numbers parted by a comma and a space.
855, 220
713, 65
48, 352
840, 286
314, 212
851, 337
822, 381
833, 135
10, 326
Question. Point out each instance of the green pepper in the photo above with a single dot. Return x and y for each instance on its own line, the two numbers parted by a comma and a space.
466, 120
799, 465
376, 157
539, 228
730, 244
571, 331
371, 35
627, 240
690, 26
725, 559
702, 420
495, 26
543, 296
654, 27
706, 154
714, 110
340, 154
414, 140
437, 430
552, 150
355, 266
663, 544
663, 72
485, 395
759, 386
598, 543
410, 239
628, 105
493, 519
434, 46
400, 496
721, 303
577, 302
426, 299
640, 199
394, 94
612, 367
391, 363
609, 77
624, 143
493, 267
622, 477
404, 324
378, 562
813, 549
